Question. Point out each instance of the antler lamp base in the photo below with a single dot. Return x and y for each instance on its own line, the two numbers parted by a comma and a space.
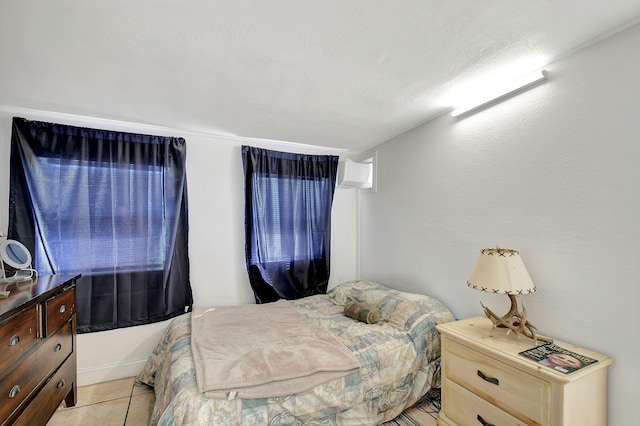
515, 321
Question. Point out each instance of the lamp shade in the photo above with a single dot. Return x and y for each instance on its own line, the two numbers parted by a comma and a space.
501, 271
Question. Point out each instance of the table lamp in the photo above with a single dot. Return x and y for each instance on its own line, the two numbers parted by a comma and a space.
501, 271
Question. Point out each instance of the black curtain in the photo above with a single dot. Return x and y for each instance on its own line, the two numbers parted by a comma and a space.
288, 200
111, 206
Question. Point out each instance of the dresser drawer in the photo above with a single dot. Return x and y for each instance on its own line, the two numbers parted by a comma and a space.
464, 408
58, 310
17, 336
28, 376
513, 390
47, 401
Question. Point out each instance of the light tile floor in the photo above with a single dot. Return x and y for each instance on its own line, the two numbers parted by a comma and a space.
123, 403
117, 403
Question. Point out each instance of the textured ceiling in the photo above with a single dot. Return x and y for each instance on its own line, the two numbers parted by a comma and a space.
338, 73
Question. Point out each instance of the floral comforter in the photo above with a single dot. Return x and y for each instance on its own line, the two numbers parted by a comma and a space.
399, 358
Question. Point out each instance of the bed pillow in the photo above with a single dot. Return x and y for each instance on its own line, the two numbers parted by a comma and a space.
354, 291
399, 309
361, 312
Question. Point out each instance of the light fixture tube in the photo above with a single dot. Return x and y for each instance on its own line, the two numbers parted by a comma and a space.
511, 89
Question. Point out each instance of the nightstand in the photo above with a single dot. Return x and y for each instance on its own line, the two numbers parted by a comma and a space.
485, 381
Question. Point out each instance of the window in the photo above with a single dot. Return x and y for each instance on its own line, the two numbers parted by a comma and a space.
288, 200
111, 206
290, 213
118, 232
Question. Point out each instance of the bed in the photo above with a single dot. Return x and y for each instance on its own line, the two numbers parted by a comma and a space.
399, 361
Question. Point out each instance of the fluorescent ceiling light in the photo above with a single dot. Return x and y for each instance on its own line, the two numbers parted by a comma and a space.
506, 91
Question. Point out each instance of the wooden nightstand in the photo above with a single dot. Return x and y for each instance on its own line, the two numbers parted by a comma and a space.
486, 382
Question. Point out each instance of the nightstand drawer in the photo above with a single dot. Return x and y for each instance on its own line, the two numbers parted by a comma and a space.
513, 390
465, 408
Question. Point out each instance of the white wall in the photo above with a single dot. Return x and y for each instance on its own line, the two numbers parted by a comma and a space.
553, 173
216, 236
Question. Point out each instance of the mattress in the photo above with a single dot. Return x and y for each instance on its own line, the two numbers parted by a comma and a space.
399, 359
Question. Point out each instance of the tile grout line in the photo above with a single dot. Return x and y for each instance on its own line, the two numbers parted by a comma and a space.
129, 406
75, 407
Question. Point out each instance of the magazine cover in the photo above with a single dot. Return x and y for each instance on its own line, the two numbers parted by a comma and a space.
558, 358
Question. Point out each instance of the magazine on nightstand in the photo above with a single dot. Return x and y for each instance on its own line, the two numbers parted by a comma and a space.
558, 358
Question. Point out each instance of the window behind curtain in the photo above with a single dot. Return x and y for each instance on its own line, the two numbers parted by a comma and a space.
111, 206
121, 230
288, 199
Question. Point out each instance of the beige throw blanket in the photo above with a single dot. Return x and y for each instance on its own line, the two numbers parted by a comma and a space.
261, 351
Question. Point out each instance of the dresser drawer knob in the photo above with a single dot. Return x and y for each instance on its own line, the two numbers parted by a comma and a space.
487, 378
482, 422
58, 347
14, 340
61, 383
63, 309
14, 391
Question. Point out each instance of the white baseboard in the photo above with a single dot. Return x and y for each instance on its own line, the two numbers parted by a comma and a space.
110, 372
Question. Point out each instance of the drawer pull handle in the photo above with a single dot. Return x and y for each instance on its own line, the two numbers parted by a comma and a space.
63, 309
61, 383
14, 391
57, 348
487, 378
14, 340
482, 422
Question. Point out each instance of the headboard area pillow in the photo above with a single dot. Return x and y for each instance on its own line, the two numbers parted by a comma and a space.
358, 291
397, 308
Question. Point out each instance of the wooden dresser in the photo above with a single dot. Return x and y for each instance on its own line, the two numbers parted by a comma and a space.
38, 340
486, 382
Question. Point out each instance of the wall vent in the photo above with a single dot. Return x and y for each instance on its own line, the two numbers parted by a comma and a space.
355, 175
